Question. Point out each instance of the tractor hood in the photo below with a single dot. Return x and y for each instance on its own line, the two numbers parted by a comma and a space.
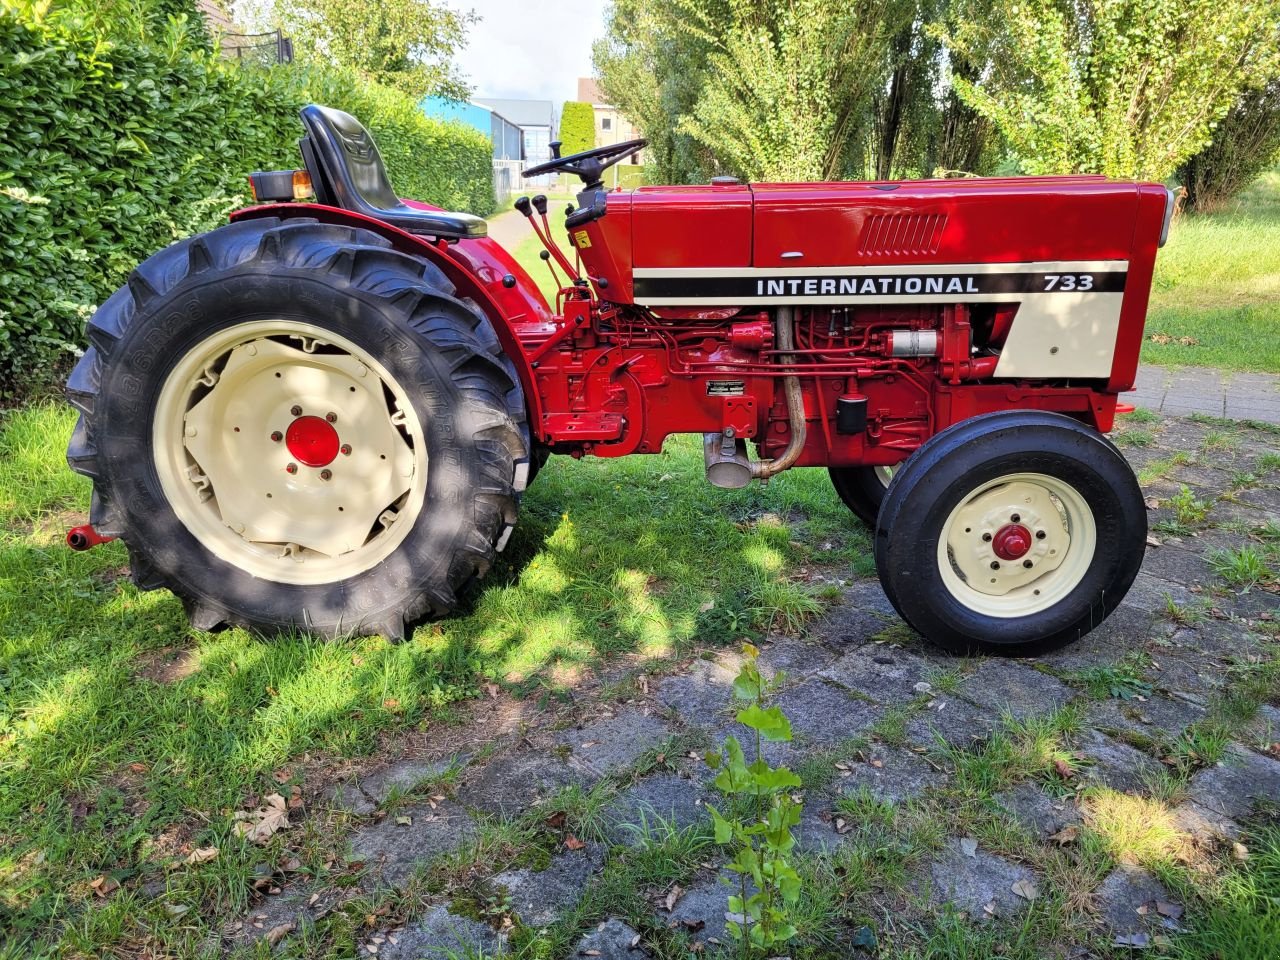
730, 225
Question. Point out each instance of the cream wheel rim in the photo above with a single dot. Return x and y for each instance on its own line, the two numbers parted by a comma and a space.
289, 452
1017, 545
884, 475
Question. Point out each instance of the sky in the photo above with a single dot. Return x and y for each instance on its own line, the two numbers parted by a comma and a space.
533, 49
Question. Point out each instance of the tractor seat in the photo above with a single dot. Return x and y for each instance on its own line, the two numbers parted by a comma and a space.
347, 172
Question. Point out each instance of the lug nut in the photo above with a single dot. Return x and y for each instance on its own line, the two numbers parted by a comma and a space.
995, 564
296, 410
1040, 534
331, 417
277, 436
326, 474
346, 449
1015, 518
1027, 564
986, 537
291, 468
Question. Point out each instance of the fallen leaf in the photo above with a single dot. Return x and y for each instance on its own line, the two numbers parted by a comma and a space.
1025, 889
492, 690
573, 843
404, 821
969, 846
588, 953
1171, 910
176, 909
258, 826
842, 826
693, 926
391, 703
922, 687
104, 886
312, 901
588, 744
203, 855
673, 897
555, 821
1066, 835
707, 607
1063, 768
1153, 542
635, 941
1240, 851
1153, 503
878, 764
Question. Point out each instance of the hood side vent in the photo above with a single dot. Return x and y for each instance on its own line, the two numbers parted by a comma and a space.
902, 234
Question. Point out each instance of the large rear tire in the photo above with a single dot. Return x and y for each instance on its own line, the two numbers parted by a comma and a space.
1011, 533
292, 426
862, 489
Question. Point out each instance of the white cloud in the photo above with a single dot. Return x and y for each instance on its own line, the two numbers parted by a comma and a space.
533, 49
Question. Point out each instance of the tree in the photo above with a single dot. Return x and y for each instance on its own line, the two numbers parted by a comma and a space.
790, 84
652, 70
577, 127
405, 44
1245, 143
1129, 88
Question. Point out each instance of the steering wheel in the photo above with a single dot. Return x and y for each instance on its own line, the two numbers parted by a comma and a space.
589, 164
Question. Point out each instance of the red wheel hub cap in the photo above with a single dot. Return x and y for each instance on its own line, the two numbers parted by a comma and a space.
312, 440
1011, 541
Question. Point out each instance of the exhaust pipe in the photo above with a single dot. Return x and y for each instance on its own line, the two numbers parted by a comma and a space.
726, 456
784, 335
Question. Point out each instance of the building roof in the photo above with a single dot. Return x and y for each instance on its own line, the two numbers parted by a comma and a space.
589, 91
523, 113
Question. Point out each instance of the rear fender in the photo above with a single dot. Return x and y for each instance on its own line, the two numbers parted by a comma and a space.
478, 268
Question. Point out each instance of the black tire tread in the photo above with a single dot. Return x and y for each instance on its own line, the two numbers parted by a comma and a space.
347, 257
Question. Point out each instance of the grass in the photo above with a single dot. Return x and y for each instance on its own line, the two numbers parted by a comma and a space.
1216, 294
127, 739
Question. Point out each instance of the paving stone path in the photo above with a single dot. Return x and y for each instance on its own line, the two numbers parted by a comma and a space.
857, 676
1209, 391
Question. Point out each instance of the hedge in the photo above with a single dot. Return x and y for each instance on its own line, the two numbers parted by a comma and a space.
110, 151
577, 127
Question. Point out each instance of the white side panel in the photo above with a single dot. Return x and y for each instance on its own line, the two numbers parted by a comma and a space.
1062, 335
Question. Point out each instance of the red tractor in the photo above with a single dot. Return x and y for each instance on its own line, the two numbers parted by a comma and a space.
323, 415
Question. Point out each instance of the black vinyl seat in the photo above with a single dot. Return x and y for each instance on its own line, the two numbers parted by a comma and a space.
347, 171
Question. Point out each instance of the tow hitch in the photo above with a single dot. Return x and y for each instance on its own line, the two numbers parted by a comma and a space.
84, 536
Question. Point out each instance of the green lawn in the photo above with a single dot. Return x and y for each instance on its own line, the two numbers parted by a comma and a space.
1217, 287
127, 739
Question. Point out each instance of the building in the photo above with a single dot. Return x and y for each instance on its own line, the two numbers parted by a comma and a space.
521, 132
611, 126
537, 122
507, 137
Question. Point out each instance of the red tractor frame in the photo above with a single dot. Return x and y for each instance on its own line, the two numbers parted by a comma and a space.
323, 415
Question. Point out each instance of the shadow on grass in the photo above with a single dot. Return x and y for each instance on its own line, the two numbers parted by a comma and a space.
105, 770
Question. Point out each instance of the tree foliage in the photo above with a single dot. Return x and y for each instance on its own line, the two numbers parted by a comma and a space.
404, 44
1245, 143
577, 127
1129, 88
770, 89
111, 149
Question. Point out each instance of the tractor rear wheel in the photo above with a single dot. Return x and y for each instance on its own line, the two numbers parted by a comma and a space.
291, 425
862, 489
1011, 533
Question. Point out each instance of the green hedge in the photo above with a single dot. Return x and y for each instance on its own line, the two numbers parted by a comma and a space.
577, 127
109, 152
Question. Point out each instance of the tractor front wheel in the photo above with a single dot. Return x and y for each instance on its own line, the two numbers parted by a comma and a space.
291, 425
1011, 533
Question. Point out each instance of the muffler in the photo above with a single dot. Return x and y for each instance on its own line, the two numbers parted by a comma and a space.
727, 463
